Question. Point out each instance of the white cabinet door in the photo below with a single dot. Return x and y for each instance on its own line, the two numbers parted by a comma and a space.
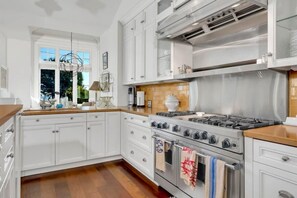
9, 184
70, 143
3, 49
129, 59
38, 149
113, 133
150, 53
124, 139
140, 47
96, 139
273, 183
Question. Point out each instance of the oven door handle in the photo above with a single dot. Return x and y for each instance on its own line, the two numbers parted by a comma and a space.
234, 166
167, 141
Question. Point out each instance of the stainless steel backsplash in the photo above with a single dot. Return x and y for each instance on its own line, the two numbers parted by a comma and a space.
260, 94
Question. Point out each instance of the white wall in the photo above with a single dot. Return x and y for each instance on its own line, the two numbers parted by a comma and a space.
19, 63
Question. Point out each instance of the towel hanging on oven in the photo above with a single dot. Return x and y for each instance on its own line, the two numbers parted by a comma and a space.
215, 178
189, 166
160, 154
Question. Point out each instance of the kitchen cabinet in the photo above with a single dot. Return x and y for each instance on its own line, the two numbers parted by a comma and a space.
96, 139
270, 169
282, 34
70, 143
3, 50
113, 133
138, 143
129, 52
139, 47
171, 56
38, 146
8, 189
165, 8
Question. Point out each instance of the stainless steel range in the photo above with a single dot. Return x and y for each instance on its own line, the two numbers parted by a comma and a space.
219, 136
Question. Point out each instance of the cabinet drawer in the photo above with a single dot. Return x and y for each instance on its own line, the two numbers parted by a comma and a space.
270, 182
139, 120
141, 159
8, 133
276, 155
95, 117
53, 119
140, 136
7, 160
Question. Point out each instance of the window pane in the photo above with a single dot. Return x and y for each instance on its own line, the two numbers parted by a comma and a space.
66, 86
47, 83
48, 54
85, 56
83, 84
64, 52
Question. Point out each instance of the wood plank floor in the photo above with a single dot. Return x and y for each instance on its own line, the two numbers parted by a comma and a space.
109, 180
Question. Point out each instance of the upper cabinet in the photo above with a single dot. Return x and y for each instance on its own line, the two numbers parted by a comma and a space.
282, 33
3, 48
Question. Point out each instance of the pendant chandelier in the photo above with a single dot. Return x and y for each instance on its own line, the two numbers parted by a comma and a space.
71, 62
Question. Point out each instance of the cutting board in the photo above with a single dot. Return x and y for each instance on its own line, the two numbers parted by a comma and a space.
293, 93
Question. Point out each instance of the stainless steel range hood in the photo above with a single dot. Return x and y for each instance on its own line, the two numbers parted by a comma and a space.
198, 18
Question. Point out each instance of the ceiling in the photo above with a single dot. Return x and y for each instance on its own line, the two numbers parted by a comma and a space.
90, 17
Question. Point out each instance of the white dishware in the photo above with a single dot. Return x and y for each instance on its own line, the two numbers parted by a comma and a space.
171, 103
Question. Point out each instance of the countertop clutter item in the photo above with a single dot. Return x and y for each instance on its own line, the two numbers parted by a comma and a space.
291, 121
140, 99
171, 103
131, 96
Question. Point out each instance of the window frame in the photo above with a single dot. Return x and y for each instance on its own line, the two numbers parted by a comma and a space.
62, 44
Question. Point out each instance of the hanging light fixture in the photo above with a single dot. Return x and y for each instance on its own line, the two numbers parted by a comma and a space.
71, 62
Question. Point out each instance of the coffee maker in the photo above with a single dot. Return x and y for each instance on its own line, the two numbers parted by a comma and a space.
131, 96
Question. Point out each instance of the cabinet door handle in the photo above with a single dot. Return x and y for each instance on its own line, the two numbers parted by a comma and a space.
144, 160
11, 155
132, 152
269, 54
132, 132
143, 121
125, 118
96, 116
131, 118
71, 118
144, 137
285, 194
89, 128
53, 131
37, 120
132, 78
142, 21
285, 158
10, 130
57, 131
141, 76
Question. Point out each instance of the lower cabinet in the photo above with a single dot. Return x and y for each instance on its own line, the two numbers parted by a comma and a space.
96, 139
137, 143
8, 190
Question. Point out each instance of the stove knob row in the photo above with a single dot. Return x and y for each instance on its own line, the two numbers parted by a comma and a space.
175, 128
212, 140
226, 143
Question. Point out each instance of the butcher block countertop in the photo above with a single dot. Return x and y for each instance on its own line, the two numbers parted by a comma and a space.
281, 134
134, 110
8, 111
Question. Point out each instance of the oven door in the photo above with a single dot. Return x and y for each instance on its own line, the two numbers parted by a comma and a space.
235, 181
170, 160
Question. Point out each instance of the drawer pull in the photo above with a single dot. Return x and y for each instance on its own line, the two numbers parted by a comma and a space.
10, 130
89, 128
132, 152
11, 155
131, 118
143, 121
144, 137
37, 120
71, 118
53, 131
285, 158
285, 194
96, 116
132, 132
125, 118
144, 160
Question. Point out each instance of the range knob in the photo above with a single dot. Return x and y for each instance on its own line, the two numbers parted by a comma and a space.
154, 124
175, 128
165, 125
212, 140
160, 125
226, 143
204, 135
187, 133
196, 135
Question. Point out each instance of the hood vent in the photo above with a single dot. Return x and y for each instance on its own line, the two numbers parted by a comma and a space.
223, 19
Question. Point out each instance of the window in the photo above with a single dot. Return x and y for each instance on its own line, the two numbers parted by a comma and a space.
51, 79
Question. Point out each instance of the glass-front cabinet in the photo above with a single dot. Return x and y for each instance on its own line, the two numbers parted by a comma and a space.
282, 33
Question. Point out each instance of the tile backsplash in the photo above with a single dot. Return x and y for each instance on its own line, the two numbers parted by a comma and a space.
158, 93
293, 93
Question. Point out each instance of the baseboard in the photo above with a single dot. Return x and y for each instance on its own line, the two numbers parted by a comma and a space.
68, 166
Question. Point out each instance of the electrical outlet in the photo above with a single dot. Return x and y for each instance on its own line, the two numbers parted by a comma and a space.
149, 104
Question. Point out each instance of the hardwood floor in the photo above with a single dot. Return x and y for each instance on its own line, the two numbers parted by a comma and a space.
109, 180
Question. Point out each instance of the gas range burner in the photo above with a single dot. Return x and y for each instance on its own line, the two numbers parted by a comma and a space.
176, 113
234, 122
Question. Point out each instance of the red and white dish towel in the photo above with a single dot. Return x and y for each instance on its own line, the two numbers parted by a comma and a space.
189, 166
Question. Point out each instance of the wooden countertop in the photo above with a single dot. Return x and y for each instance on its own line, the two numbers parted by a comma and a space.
281, 134
7, 111
133, 110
